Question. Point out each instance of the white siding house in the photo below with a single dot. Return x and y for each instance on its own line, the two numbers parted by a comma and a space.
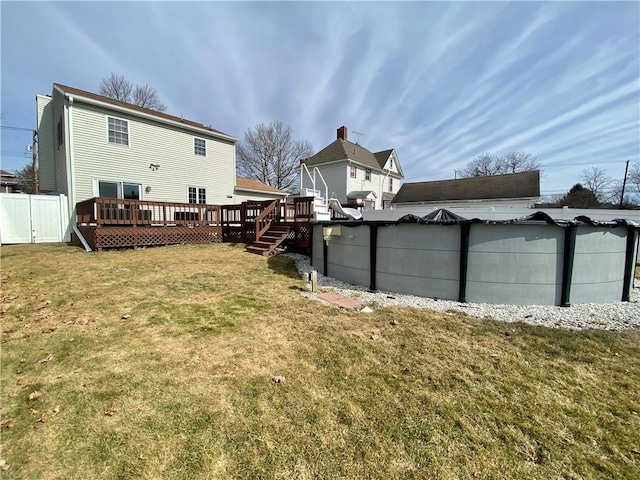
91, 146
357, 176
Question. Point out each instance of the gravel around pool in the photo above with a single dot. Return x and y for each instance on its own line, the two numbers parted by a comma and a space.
603, 316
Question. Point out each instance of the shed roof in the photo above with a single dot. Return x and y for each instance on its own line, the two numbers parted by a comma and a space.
515, 185
251, 184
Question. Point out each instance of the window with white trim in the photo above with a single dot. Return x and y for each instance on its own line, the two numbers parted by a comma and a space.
352, 171
200, 146
197, 195
118, 130
367, 174
112, 189
390, 184
391, 162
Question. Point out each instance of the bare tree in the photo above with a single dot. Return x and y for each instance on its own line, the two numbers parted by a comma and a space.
513, 162
116, 87
598, 182
270, 155
119, 88
147, 97
633, 179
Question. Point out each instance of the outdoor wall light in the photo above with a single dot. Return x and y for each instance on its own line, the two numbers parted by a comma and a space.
147, 188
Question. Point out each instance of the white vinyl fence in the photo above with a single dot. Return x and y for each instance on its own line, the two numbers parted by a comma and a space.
33, 218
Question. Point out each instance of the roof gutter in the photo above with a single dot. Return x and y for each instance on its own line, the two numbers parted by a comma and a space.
147, 116
284, 194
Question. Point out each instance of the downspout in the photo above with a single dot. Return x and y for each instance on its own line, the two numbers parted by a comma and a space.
72, 178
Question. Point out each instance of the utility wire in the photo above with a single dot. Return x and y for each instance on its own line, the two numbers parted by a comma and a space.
9, 127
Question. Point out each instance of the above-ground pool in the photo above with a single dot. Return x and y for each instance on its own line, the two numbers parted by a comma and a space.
529, 261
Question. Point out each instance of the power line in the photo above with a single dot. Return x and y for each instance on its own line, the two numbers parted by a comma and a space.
9, 127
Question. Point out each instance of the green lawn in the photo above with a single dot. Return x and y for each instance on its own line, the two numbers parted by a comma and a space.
182, 388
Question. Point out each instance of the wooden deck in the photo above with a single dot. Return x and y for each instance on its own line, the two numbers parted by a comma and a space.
121, 223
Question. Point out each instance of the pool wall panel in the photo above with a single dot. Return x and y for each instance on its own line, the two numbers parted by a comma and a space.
419, 259
598, 265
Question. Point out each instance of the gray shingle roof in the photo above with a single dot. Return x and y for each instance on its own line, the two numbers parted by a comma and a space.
344, 149
515, 185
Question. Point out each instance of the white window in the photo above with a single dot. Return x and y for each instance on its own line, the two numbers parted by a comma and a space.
118, 130
391, 162
200, 147
352, 171
114, 189
390, 184
197, 195
367, 174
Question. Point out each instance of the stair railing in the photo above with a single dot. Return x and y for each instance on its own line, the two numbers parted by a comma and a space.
266, 218
303, 170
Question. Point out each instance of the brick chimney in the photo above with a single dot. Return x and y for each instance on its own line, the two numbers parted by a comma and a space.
342, 133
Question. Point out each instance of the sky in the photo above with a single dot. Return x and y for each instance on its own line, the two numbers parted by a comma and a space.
440, 82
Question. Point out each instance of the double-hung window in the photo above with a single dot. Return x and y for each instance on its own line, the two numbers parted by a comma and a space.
118, 131
200, 147
390, 184
352, 171
197, 195
367, 174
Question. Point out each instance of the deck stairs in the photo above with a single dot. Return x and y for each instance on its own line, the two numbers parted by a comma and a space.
270, 243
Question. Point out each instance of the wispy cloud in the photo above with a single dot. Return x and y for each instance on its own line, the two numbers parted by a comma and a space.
439, 82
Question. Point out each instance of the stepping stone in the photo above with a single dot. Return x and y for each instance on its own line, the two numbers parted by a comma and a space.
340, 301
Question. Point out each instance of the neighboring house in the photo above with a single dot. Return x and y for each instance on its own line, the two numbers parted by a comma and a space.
249, 189
357, 176
8, 182
511, 190
94, 146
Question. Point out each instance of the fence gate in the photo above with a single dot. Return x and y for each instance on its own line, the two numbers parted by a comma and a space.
33, 218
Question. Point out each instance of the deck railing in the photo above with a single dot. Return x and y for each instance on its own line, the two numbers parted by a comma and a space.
101, 211
244, 222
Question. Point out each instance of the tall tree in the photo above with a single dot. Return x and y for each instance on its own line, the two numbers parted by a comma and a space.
24, 178
513, 162
119, 88
269, 153
598, 182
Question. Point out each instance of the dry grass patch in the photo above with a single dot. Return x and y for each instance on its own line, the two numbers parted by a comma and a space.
182, 388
